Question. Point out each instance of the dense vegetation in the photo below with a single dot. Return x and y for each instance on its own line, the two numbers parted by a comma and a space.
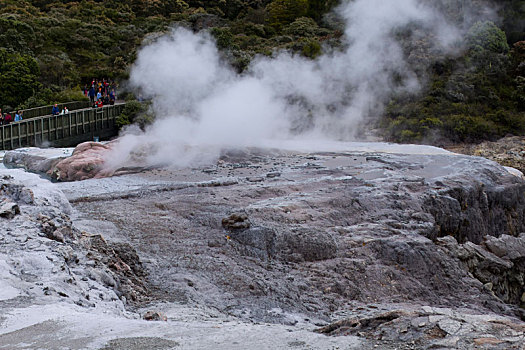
476, 96
50, 48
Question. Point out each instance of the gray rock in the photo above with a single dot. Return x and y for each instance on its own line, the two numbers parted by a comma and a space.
236, 221
154, 316
507, 247
140, 343
258, 242
449, 326
501, 276
362, 239
35, 159
9, 209
303, 244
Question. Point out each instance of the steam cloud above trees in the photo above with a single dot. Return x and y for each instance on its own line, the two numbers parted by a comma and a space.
202, 105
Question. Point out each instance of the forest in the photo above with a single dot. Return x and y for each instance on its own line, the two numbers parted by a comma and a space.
49, 49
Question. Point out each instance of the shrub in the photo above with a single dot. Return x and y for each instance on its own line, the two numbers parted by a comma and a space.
311, 48
18, 77
247, 28
467, 128
135, 112
302, 26
69, 95
283, 12
486, 36
317, 8
223, 36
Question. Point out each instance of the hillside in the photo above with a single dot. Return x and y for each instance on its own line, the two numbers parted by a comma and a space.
49, 49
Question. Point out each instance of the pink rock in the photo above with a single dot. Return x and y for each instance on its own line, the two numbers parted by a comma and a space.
86, 162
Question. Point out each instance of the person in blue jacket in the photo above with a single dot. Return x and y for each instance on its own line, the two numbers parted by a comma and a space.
55, 110
91, 94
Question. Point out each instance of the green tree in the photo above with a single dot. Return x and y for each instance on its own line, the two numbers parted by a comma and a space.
223, 36
16, 35
317, 8
311, 48
283, 12
486, 36
302, 26
18, 77
489, 51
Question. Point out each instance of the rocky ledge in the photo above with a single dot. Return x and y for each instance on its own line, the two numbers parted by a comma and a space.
404, 250
508, 151
83, 162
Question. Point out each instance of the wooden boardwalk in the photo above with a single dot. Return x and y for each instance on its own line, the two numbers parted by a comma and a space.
46, 110
62, 130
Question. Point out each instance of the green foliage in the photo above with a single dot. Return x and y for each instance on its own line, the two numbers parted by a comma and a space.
49, 47
283, 12
247, 28
223, 36
135, 112
16, 35
42, 97
311, 48
486, 36
240, 60
519, 94
18, 77
68, 95
470, 128
302, 26
518, 58
474, 97
317, 8
513, 15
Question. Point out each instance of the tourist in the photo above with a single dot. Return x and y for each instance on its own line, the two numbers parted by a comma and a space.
99, 103
8, 119
64, 111
91, 93
55, 110
18, 116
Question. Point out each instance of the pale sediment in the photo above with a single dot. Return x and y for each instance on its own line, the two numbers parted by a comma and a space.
383, 250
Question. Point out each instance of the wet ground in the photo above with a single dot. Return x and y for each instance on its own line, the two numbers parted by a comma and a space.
262, 247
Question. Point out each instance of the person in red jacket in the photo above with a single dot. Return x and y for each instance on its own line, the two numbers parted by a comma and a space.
8, 119
99, 103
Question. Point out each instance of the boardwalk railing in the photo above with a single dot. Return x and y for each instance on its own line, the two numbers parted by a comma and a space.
61, 130
46, 110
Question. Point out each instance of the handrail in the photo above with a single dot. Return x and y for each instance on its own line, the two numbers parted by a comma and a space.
45, 110
64, 129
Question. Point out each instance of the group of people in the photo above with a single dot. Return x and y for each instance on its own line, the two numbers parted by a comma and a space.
101, 92
7, 118
56, 111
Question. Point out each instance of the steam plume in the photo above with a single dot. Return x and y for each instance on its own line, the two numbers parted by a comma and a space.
202, 105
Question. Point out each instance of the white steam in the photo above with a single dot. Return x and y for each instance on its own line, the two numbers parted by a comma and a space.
202, 105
